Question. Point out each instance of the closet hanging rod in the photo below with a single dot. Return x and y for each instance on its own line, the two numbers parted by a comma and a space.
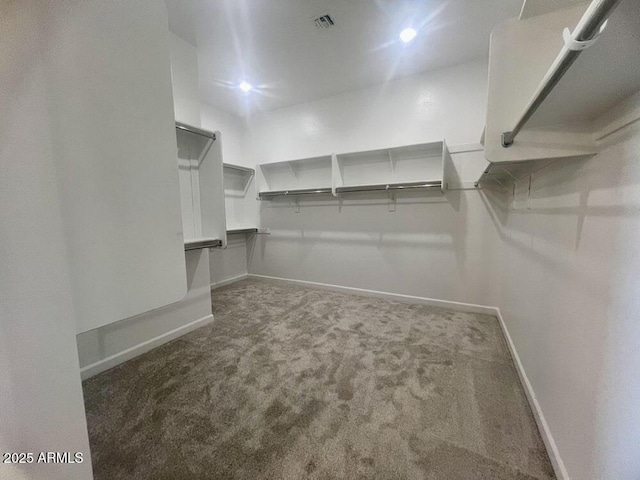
201, 244
300, 191
587, 29
237, 231
389, 186
239, 168
196, 130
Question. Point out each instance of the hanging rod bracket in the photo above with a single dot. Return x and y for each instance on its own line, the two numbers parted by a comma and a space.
575, 45
507, 139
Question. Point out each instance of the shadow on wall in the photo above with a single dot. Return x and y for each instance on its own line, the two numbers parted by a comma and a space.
567, 239
418, 223
97, 344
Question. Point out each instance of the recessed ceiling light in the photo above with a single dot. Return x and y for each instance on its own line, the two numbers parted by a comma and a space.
408, 34
245, 86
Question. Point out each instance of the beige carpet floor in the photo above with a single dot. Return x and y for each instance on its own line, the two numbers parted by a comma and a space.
296, 383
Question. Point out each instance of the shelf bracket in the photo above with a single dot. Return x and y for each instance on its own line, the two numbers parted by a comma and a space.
291, 169
391, 163
296, 207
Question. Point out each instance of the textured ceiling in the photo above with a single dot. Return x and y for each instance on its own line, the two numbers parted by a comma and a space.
275, 46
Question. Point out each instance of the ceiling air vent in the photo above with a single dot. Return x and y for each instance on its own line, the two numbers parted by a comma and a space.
324, 21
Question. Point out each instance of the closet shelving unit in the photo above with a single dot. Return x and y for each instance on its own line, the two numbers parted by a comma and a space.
546, 89
238, 201
308, 176
405, 168
201, 187
419, 166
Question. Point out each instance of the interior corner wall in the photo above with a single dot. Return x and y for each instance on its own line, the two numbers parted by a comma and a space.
231, 262
571, 301
112, 344
435, 246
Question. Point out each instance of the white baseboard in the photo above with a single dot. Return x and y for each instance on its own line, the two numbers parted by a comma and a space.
229, 281
121, 357
543, 427
398, 297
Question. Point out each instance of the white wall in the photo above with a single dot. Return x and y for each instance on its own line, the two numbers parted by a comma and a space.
105, 347
113, 138
433, 245
571, 301
184, 76
241, 211
233, 130
562, 265
41, 406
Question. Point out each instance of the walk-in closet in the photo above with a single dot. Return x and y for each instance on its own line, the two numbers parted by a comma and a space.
319, 239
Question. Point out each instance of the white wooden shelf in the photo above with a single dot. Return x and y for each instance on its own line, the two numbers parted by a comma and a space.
239, 168
521, 56
421, 166
505, 174
295, 177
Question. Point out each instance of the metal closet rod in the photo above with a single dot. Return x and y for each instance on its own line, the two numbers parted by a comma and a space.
587, 29
196, 130
389, 186
300, 191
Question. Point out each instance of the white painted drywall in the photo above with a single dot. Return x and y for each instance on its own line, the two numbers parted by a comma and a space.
232, 127
113, 138
112, 344
570, 299
41, 405
561, 265
184, 76
241, 206
104, 347
436, 246
186, 100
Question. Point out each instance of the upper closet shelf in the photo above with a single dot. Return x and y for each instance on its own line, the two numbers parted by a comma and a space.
552, 75
238, 168
420, 166
305, 176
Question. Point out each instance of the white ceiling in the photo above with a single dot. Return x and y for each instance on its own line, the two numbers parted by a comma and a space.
275, 46
532, 8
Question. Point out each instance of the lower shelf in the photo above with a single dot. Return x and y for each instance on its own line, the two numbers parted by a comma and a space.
507, 173
201, 243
